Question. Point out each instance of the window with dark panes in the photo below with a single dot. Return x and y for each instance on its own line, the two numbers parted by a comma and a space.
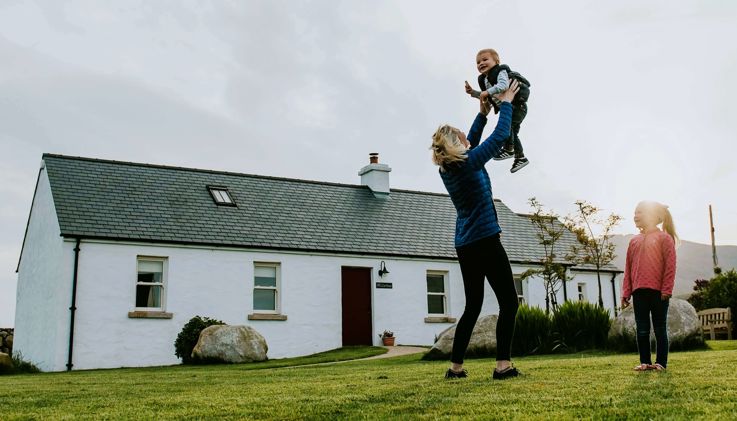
265, 287
436, 295
520, 291
150, 283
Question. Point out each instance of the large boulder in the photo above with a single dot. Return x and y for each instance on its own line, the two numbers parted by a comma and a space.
6, 363
684, 328
482, 344
230, 344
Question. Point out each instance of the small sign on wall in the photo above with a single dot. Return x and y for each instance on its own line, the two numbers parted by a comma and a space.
387, 285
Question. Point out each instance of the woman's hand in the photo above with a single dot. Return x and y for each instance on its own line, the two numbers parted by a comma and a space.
665, 297
625, 303
508, 95
485, 107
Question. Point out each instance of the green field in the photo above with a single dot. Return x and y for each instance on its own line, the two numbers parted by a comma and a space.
698, 384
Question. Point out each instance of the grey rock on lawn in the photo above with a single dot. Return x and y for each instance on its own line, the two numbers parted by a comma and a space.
6, 363
482, 344
684, 327
230, 344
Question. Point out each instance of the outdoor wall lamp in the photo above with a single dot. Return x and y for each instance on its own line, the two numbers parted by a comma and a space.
382, 269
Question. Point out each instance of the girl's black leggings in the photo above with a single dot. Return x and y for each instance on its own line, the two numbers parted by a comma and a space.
481, 259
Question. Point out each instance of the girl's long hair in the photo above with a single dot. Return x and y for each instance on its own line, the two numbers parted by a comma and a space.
446, 147
664, 217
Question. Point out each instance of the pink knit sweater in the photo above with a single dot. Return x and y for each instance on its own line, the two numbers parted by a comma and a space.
651, 263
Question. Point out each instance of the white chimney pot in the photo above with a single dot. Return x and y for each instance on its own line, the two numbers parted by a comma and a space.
376, 177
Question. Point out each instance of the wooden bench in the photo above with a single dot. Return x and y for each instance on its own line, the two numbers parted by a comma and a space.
715, 320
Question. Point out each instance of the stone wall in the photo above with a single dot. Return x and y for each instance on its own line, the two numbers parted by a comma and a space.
6, 340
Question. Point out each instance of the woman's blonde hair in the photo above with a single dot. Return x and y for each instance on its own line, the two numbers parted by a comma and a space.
663, 215
447, 147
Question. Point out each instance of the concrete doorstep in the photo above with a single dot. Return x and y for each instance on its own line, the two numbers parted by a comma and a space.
393, 351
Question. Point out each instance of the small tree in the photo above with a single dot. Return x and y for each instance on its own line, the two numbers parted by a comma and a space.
549, 232
698, 298
591, 249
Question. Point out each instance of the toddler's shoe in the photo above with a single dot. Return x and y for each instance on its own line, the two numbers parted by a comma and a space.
519, 164
504, 154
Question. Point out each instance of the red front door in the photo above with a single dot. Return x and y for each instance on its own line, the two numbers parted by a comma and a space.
356, 300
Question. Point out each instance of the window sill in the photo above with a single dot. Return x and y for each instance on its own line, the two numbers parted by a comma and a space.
149, 315
267, 316
440, 319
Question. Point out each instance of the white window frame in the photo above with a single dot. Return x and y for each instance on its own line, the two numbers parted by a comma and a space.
581, 291
520, 294
446, 297
221, 195
164, 268
277, 288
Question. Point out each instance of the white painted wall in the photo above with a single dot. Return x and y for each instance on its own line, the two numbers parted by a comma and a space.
44, 286
218, 283
592, 288
535, 290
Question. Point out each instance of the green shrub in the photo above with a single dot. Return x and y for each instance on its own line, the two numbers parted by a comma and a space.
580, 325
20, 366
722, 292
532, 331
187, 338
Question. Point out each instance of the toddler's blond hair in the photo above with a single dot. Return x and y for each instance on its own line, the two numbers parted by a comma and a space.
491, 51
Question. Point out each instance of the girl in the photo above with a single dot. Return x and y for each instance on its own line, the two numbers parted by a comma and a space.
649, 274
480, 252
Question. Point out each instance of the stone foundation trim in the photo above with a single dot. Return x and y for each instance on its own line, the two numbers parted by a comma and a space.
149, 315
440, 319
265, 316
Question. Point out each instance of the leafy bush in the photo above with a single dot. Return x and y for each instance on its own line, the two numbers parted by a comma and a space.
580, 325
20, 366
698, 297
718, 292
187, 338
532, 331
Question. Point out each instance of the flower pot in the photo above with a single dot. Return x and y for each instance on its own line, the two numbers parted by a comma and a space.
389, 341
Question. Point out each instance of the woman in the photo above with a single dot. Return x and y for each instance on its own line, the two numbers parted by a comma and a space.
480, 252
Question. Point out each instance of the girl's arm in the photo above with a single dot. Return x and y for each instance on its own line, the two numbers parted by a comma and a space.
627, 282
478, 157
669, 271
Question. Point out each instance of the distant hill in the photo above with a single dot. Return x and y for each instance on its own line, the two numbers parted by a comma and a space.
694, 261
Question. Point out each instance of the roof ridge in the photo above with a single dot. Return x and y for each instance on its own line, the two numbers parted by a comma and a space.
222, 172
199, 170
267, 177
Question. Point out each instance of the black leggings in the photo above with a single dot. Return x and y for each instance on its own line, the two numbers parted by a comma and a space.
486, 258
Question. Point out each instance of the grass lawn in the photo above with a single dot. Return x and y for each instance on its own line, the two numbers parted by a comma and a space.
698, 384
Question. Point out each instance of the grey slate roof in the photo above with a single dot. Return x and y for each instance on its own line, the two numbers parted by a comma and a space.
142, 202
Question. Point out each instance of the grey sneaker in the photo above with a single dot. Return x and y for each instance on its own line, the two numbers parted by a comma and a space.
519, 164
504, 154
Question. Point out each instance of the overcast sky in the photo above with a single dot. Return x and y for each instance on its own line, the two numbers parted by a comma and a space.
631, 100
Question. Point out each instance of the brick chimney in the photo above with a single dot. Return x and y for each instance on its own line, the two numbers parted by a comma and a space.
376, 177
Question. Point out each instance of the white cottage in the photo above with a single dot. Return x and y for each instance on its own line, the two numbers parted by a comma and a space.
118, 256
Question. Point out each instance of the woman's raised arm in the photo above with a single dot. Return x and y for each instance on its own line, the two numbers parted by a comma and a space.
478, 157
